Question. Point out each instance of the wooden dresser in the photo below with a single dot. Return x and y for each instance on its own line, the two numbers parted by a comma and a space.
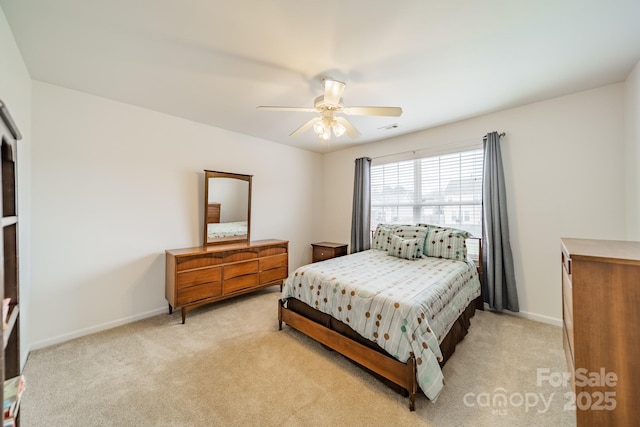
601, 314
205, 274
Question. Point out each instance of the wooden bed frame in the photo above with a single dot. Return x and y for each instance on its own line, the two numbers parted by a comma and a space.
402, 374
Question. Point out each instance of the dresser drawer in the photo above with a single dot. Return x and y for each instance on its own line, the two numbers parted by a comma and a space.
194, 277
273, 250
190, 262
321, 254
274, 274
240, 282
199, 292
273, 262
235, 256
240, 269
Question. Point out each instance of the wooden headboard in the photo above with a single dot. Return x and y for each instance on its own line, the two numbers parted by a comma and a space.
478, 261
213, 213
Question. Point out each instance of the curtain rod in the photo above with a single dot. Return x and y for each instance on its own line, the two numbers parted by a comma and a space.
501, 134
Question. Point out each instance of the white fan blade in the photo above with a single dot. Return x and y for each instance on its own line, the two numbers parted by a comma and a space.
274, 108
351, 131
305, 127
373, 111
333, 90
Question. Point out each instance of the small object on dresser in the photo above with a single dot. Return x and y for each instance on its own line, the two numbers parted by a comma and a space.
13, 389
327, 250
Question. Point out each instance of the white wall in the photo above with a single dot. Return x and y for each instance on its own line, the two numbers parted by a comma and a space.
115, 185
632, 156
15, 92
564, 171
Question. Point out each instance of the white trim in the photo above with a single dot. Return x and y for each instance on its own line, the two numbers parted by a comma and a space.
539, 318
103, 327
531, 316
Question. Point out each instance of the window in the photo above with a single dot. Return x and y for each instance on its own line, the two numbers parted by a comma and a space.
444, 190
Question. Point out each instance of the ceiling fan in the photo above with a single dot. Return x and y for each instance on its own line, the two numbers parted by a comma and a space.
328, 106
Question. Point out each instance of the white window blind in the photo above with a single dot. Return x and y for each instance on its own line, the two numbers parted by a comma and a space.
443, 190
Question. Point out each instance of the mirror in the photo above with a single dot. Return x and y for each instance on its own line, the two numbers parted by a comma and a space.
227, 207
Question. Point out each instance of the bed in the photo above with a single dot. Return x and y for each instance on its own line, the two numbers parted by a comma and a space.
397, 309
227, 229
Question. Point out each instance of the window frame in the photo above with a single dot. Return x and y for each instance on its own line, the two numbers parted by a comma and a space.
475, 156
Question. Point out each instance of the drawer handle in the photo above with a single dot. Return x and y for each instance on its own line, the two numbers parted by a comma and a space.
566, 263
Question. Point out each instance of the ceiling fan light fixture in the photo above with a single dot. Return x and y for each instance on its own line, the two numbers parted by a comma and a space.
332, 92
319, 128
338, 129
329, 105
326, 135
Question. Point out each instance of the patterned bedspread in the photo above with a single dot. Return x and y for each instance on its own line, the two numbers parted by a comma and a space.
407, 307
227, 229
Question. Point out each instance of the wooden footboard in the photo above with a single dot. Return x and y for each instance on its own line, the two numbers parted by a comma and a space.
402, 374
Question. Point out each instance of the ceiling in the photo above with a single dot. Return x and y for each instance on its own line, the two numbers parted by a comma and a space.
214, 61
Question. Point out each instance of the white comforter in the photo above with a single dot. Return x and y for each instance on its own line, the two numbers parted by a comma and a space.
227, 229
407, 307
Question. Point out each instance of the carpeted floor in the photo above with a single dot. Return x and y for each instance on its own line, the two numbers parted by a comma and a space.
230, 366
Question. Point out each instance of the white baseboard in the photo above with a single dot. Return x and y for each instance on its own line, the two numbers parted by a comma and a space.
531, 316
539, 318
98, 328
103, 327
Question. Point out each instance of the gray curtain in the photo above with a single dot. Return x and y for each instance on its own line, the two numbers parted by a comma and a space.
499, 278
361, 214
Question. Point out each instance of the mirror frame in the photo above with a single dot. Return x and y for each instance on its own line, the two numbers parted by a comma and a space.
216, 174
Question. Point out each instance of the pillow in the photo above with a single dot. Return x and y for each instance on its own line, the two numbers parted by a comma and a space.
426, 225
444, 242
412, 232
382, 236
457, 230
405, 248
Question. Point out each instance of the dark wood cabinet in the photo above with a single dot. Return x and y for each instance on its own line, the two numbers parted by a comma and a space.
328, 250
9, 274
206, 274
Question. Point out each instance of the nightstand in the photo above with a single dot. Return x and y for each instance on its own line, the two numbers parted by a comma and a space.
327, 250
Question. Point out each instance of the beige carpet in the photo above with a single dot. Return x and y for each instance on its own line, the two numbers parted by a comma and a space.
230, 366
